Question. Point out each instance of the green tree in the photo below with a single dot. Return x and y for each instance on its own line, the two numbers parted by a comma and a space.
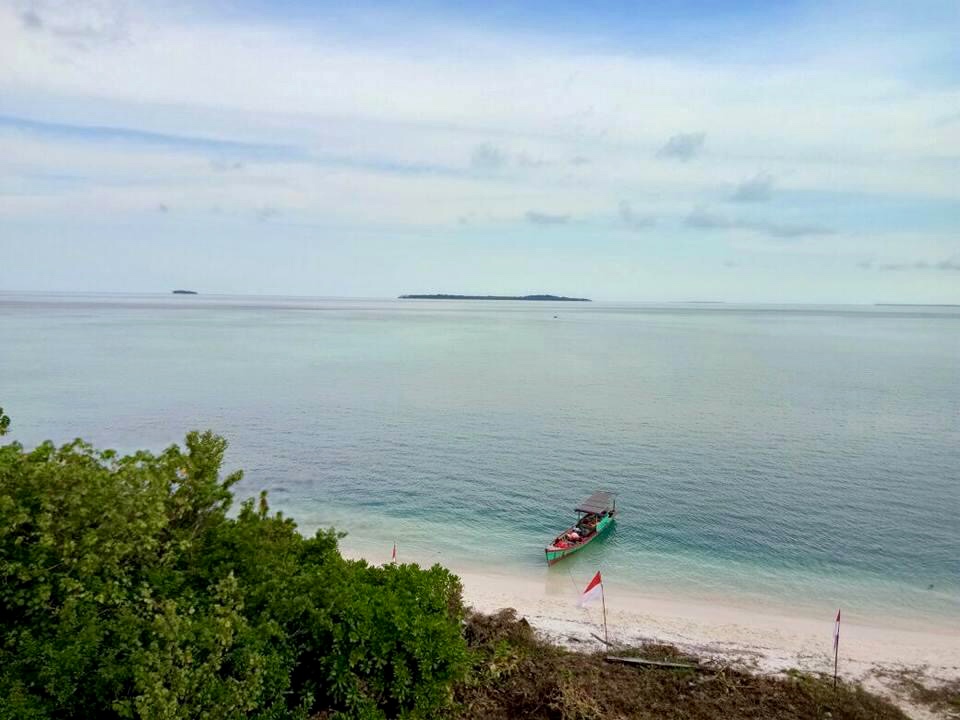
127, 589
4, 423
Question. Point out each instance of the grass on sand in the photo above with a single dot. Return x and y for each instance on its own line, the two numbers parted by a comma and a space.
516, 675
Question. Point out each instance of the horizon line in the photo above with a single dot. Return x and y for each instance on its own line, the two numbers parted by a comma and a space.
396, 297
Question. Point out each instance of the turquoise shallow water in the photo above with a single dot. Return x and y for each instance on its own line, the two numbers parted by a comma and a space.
801, 456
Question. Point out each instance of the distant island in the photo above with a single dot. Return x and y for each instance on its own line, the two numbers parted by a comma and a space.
184, 292
441, 296
916, 305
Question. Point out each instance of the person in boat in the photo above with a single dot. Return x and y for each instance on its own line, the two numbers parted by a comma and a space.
589, 523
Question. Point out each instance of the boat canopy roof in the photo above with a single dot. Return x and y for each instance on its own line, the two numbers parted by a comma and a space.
600, 502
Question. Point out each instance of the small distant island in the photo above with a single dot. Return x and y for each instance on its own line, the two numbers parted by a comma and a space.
921, 305
442, 296
184, 292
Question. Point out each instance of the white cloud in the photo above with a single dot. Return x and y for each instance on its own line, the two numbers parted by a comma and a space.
488, 158
683, 146
759, 188
517, 107
702, 219
541, 218
633, 220
269, 69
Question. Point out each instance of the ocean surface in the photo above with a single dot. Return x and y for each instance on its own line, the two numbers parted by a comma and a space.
803, 457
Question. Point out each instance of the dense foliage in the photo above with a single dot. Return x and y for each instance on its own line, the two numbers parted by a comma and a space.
128, 591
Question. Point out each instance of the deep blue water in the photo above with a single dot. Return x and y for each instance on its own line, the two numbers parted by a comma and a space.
785, 455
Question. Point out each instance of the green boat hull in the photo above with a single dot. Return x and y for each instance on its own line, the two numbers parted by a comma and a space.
555, 555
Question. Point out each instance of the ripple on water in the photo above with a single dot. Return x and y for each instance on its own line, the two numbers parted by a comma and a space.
787, 455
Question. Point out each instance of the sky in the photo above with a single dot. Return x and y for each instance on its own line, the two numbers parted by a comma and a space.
737, 151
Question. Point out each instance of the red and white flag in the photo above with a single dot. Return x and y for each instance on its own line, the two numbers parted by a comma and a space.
836, 633
393, 555
592, 591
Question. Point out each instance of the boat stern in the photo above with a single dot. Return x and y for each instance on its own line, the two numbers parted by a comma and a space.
554, 554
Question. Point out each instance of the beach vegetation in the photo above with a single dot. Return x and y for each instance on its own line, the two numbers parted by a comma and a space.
128, 589
544, 682
939, 697
943, 697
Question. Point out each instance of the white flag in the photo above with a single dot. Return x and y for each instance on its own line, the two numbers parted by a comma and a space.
592, 591
836, 633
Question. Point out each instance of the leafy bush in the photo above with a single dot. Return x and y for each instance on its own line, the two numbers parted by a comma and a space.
128, 591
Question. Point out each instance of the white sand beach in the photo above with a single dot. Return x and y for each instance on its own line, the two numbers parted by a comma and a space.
763, 639
770, 639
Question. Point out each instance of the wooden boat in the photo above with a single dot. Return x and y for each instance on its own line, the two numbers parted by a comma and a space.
594, 516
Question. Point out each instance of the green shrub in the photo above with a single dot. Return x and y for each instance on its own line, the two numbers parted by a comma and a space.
127, 590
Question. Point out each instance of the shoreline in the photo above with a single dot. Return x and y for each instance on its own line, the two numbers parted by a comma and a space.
769, 640
774, 632
563, 586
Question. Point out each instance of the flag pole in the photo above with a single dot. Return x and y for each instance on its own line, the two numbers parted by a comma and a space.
836, 650
603, 600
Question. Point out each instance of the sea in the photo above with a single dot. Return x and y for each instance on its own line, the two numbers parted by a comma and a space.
784, 457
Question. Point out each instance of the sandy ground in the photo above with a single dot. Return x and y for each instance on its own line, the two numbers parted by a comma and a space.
767, 640
764, 639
